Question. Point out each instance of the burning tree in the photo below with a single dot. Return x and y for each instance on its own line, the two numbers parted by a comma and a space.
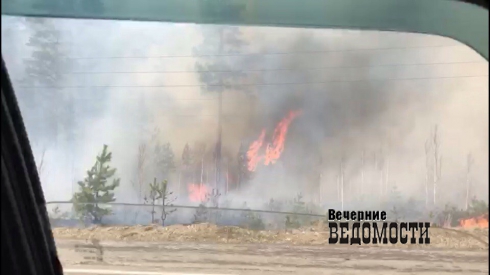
196, 187
95, 189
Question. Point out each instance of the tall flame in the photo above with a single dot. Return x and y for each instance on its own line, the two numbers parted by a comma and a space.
273, 149
253, 152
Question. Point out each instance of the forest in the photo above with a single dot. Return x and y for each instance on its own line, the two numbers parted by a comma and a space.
320, 120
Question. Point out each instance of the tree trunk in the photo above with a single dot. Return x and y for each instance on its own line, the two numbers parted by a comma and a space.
220, 114
469, 164
362, 172
342, 184
427, 172
153, 211
227, 178
467, 200
320, 190
179, 183
338, 187
387, 175
378, 180
202, 172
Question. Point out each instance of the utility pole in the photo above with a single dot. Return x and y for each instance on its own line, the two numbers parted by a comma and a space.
218, 143
220, 111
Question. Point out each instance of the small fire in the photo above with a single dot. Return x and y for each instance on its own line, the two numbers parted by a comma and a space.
481, 222
197, 192
273, 149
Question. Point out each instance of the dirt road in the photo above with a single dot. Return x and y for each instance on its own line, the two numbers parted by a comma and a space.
146, 258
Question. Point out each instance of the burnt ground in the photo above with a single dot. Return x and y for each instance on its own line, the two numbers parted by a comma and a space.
192, 258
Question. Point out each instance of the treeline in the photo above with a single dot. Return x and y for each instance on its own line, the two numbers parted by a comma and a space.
195, 165
101, 181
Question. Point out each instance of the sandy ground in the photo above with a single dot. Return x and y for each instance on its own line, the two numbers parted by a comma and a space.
198, 258
313, 235
209, 249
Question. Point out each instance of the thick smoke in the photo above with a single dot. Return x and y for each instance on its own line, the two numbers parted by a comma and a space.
369, 101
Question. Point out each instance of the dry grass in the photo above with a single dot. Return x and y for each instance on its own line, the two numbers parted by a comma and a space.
315, 235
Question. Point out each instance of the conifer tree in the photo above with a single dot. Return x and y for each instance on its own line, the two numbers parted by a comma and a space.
96, 189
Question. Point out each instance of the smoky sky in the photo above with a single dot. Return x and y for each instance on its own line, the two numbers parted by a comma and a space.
360, 92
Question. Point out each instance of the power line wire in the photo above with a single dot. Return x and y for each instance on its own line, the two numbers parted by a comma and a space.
260, 54
284, 69
252, 85
195, 207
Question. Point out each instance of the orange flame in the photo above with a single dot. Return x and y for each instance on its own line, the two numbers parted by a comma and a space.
274, 149
481, 222
253, 152
197, 192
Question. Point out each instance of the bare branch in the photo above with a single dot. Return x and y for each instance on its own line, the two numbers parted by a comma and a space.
437, 161
469, 164
40, 166
341, 182
141, 169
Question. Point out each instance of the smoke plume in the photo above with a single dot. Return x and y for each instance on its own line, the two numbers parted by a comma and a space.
368, 103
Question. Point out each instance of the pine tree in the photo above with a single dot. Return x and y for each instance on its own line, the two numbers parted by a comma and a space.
298, 206
221, 40
167, 200
95, 189
53, 109
159, 191
152, 197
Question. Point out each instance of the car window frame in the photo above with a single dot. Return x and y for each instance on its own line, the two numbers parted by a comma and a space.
459, 20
